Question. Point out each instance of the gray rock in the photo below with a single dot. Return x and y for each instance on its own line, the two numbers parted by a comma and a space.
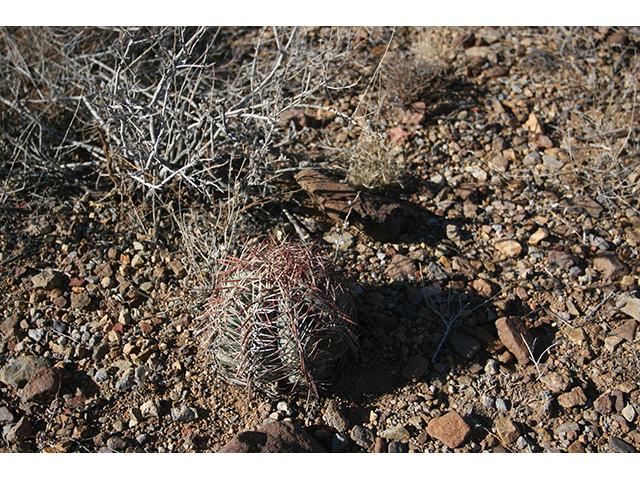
183, 414
566, 428
18, 371
397, 432
629, 413
618, 445
117, 443
101, 376
127, 380
37, 334
335, 418
150, 408
6, 416
362, 436
488, 401
49, 279
465, 345
501, 404
20, 431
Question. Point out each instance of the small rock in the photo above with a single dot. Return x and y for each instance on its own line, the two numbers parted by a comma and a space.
401, 268
511, 248
80, 300
574, 398
178, 269
150, 408
558, 259
450, 429
43, 385
610, 266
603, 404
626, 331
506, 430
380, 446
49, 280
501, 404
630, 306
362, 436
19, 370
629, 413
335, 418
397, 432
618, 445
20, 431
415, 368
183, 414
576, 447
101, 376
515, 337
127, 380
6, 416
567, 429
274, 437
610, 343
117, 443
556, 382
552, 163
343, 241
540, 235
577, 335
483, 287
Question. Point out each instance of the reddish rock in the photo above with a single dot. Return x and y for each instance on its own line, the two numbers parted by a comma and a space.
574, 398
610, 266
145, 327
380, 218
399, 135
483, 287
43, 385
401, 268
626, 331
514, 334
274, 437
450, 429
603, 404
561, 260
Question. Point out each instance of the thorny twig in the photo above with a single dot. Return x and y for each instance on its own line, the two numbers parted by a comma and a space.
535, 361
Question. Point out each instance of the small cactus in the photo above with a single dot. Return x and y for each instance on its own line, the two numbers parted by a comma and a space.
280, 318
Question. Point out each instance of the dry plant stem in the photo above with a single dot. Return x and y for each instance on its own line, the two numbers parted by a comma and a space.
535, 361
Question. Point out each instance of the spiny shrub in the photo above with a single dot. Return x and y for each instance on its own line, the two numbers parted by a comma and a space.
280, 318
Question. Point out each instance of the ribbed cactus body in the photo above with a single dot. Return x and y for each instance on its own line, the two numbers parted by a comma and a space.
280, 318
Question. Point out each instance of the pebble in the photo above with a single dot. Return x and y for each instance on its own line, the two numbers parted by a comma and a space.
398, 432
116, 443
101, 376
334, 417
450, 429
574, 398
507, 430
501, 404
363, 436
465, 345
398, 447
515, 337
629, 413
556, 382
127, 380
182, 414
150, 408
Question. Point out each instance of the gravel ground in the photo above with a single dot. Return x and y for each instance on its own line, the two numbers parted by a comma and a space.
504, 319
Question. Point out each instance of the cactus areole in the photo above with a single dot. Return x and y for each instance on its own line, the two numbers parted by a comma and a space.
280, 318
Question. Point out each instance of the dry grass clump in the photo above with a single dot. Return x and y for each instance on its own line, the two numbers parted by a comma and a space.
280, 318
411, 79
373, 165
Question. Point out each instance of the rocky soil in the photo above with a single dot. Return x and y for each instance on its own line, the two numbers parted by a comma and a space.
496, 276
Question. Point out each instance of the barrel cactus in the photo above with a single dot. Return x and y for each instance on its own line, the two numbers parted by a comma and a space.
280, 318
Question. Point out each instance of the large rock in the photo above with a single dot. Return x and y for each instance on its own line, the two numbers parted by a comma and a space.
43, 385
380, 218
450, 429
515, 336
274, 437
19, 370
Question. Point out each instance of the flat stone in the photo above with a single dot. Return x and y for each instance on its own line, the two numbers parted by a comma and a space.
450, 429
465, 345
618, 445
610, 343
577, 335
556, 382
552, 163
43, 385
49, 280
380, 218
117, 443
629, 413
401, 268
363, 436
559, 259
513, 335
581, 204
126, 380
626, 331
506, 430
415, 368
511, 248
397, 432
18, 371
334, 417
574, 398
177, 268
629, 306
610, 266
274, 437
